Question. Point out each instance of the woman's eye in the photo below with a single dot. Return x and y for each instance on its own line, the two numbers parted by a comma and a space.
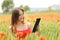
21, 14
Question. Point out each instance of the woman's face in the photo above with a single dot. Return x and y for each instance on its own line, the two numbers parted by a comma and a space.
21, 16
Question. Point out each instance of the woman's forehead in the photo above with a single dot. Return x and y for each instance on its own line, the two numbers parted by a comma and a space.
21, 12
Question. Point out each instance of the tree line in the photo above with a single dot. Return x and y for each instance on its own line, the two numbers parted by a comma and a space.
8, 5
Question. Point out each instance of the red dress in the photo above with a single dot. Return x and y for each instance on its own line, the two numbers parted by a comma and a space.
23, 33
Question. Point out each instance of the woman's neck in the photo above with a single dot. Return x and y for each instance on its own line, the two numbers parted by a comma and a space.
20, 23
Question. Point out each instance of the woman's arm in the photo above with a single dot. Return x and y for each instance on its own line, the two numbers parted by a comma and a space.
29, 25
12, 29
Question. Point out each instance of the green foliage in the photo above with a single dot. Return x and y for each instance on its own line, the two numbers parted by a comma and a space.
26, 8
50, 29
8, 34
21, 6
32, 36
7, 5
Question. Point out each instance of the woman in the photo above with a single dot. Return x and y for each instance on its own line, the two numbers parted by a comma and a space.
18, 26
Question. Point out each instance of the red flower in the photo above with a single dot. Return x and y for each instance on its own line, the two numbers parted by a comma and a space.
19, 34
2, 34
58, 20
42, 38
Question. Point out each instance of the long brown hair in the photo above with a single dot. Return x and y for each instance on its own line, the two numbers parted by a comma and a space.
14, 18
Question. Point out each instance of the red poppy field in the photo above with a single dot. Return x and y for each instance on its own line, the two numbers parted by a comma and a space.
49, 27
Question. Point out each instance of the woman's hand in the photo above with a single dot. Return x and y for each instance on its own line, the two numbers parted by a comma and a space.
37, 28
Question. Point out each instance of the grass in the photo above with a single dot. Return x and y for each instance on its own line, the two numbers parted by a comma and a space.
49, 27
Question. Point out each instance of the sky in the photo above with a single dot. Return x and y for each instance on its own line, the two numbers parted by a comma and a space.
34, 3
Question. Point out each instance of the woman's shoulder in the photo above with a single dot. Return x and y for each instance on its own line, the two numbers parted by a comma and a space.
28, 23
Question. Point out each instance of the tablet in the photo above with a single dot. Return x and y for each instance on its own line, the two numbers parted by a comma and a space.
36, 24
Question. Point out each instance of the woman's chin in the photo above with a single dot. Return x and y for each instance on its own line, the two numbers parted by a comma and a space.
22, 21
